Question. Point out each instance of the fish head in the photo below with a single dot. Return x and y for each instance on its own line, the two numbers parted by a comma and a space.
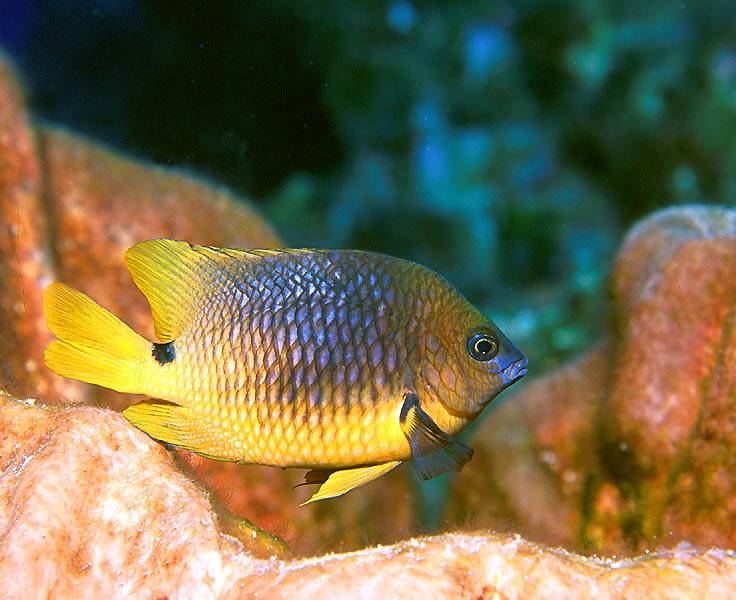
466, 360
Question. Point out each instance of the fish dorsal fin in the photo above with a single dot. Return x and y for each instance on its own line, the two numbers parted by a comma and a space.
434, 451
341, 482
176, 278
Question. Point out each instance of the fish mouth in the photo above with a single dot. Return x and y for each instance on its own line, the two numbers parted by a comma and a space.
515, 371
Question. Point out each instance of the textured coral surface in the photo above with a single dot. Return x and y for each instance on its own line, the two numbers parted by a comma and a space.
633, 445
91, 507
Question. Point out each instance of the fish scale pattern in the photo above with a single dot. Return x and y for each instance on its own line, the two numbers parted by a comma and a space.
303, 360
293, 358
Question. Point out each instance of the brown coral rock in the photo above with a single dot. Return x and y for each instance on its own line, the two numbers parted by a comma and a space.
533, 457
670, 404
68, 210
347, 523
90, 507
25, 263
86, 501
633, 445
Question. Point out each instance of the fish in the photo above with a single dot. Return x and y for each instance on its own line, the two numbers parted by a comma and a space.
343, 362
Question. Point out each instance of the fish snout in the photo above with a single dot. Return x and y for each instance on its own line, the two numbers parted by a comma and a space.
515, 371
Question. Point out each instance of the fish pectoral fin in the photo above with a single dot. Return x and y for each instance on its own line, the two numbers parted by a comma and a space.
341, 482
165, 421
434, 451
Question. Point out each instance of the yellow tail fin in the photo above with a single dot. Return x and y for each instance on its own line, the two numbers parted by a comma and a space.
94, 345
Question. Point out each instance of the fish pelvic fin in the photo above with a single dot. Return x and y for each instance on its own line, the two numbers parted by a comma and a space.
341, 482
434, 451
93, 345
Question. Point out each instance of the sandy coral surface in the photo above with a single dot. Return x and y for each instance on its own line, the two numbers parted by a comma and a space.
90, 506
632, 445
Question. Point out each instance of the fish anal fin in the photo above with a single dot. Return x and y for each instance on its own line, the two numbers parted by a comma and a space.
340, 482
167, 422
434, 451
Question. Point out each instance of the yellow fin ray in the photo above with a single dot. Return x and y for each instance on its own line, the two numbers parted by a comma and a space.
168, 422
341, 482
177, 278
94, 345
174, 424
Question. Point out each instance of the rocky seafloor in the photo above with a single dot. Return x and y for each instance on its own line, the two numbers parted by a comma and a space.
617, 469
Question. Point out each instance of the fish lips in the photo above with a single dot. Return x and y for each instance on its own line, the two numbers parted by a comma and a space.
515, 371
508, 375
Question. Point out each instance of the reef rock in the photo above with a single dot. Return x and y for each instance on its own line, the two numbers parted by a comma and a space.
69, 209
533, 456
634, 445
91, 507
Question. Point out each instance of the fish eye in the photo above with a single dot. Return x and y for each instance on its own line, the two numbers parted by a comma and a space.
482, 346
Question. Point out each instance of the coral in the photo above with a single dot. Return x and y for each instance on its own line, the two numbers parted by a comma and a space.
90, 506
633, 445
271, 498
533, 456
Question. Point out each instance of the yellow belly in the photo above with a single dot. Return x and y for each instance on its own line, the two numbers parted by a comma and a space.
237, 420
290, 440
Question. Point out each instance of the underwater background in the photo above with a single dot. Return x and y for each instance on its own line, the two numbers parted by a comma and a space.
507, 145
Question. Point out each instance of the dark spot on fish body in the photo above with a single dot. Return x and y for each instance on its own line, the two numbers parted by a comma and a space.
163, 353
